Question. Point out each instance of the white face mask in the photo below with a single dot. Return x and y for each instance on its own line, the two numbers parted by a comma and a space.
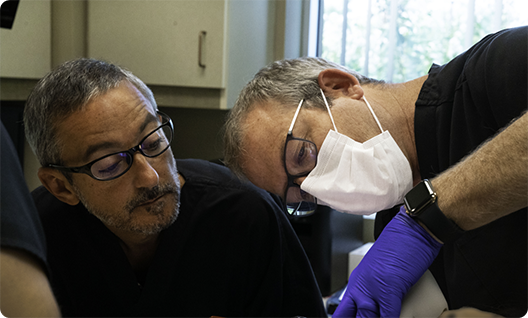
359, 178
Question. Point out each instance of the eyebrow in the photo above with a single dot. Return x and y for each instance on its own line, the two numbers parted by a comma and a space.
109, 144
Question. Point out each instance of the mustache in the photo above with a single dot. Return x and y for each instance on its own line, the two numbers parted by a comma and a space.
146, 194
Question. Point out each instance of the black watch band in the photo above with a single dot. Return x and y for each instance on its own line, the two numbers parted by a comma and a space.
421, 205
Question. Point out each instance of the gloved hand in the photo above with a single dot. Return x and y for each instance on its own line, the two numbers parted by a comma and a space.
395, 262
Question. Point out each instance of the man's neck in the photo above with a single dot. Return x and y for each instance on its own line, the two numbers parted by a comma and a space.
394, 104
139, 249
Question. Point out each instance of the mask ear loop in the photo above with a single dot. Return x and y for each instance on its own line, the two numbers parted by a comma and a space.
295, 116
329, 112
372, 112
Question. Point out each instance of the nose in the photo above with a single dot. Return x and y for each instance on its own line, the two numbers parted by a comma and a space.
299, 180
145, 174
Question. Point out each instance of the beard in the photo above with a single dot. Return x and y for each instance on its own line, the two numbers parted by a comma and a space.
125, 218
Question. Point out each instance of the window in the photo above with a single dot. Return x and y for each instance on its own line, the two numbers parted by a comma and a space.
398, 40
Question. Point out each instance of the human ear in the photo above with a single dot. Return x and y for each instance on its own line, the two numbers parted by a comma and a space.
58, 185
336, 83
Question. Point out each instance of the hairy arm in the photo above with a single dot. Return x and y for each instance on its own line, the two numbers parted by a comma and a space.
489, 183
24, 287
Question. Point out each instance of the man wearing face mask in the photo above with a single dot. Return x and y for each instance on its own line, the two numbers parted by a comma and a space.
445, 155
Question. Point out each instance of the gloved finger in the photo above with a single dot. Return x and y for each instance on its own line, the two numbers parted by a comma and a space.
391, 307
368, 309
347, 308
364, 313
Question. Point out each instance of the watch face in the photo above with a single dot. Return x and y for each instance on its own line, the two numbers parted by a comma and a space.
418, 198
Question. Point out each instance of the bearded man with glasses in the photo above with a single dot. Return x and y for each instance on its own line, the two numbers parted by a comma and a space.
133, 232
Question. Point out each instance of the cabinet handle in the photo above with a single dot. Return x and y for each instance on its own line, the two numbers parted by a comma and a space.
201, 39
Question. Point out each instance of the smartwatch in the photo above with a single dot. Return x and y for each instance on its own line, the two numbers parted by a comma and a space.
421, 204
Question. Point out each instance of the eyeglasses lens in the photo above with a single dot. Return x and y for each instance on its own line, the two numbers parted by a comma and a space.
295, 195
157, 142
114, 165
301, 158
303, 208
111, 166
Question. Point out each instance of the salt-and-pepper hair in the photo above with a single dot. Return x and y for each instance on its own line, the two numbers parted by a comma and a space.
285, 83
64, 91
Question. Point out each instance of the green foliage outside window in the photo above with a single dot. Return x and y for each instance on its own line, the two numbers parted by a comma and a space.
427, 32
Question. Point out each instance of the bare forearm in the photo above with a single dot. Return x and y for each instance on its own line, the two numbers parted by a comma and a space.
490, 183
24, 288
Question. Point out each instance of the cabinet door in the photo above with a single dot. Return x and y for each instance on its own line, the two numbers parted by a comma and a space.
25, 50
159, 41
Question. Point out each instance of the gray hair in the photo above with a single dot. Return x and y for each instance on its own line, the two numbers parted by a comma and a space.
65, 91
285, 82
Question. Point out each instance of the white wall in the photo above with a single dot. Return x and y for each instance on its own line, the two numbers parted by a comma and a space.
246, 55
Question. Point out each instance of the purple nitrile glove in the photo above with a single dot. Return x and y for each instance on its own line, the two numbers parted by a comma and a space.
395, 262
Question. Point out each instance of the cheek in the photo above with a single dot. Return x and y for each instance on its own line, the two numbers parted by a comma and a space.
319, 126
268, 174
319, 137
105, 195
166, 167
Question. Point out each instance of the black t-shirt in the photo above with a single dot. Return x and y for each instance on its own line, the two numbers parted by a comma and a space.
461, 105
19, 224
231, 252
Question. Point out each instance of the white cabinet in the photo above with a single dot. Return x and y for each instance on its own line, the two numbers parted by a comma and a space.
25, 49
163, 42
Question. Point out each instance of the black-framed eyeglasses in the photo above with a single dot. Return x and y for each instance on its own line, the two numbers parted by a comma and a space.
116, 164
300, 158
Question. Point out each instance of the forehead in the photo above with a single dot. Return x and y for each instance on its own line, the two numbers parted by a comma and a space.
264, 134
112, 120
